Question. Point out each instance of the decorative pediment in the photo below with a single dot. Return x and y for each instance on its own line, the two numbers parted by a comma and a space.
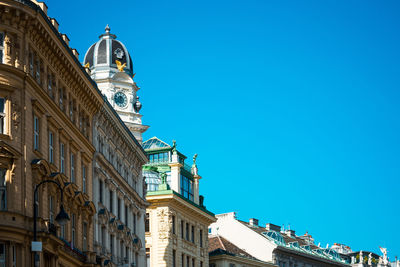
8, 151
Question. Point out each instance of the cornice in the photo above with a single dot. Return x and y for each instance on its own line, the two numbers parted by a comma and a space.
171, 199
49, 41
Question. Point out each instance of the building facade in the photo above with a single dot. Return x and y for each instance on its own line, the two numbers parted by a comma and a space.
47, 103
176, 220
273, 244
223, 253
118, 192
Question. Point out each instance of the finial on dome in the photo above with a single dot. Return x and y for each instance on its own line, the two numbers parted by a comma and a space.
107, 29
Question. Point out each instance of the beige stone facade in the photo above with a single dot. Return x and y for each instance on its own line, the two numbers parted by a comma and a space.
177, 232
177, 220
46, 134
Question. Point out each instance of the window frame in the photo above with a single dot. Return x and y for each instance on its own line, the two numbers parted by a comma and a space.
73, 230
36, 132
3, 116
84, 178
3, 189
51, 147
62, 157
72, 167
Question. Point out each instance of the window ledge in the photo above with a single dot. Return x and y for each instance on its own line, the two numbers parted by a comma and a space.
5, 137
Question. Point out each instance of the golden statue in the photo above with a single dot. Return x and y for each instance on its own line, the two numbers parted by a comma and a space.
87, 65
120, 66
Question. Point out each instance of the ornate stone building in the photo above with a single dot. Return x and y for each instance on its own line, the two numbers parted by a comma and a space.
177, 220
118, 182
118, 192
47, 103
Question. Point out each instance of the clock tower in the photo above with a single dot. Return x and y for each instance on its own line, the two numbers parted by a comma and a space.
111, 68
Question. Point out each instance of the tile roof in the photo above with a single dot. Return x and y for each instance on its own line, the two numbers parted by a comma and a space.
219, 245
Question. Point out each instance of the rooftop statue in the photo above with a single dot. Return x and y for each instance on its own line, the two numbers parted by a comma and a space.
385, 258
370, 259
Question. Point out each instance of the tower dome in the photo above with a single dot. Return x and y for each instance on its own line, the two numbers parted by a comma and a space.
108, 56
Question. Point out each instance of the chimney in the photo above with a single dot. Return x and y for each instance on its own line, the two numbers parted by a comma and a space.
75, 52
42, 6
291, 233
272, 227
55, 23
65, 38
253, 222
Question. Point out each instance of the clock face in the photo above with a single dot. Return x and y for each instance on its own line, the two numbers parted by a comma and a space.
120, 99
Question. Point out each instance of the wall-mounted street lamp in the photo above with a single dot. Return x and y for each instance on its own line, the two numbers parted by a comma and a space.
62, 218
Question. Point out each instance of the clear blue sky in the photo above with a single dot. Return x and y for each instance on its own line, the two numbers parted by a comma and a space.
292, 106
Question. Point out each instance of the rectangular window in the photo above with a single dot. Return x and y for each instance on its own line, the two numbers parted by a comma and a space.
187, 231
183, 260
3, 189
101, 191
173, 224
2, 255
126, 215
147, 258
119, 208
84, 179
73, 222
201, 264
173, 258
147, 223
134, 223
201, 238
111, 201
38, 71
36, 132
61, 97
14, 256
51, 147
112, 244
72, 168
2, 115
50, 85
51, 209
62, 158
186, 187
182, 230
62, 231
187, 261
84, 236
192, 234
31, 66
193, 262
1, 48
